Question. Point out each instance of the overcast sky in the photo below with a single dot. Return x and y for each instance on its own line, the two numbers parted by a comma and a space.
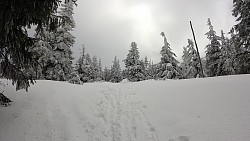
107, 27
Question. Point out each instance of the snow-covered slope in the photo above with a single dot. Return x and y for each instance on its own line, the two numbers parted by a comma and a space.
210, 109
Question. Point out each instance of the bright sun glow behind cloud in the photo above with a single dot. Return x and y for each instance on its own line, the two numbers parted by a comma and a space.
144, 27
141, 12
140, 16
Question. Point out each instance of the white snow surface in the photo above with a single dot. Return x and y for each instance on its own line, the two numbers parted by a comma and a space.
209, 109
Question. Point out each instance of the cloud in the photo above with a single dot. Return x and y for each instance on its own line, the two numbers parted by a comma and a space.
108, 27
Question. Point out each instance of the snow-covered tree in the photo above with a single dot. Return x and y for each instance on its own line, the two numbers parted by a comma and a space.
151, 70
87, 75
95, 68
75, 78
241, 10
63, 41
168, 66
42, 52
53, 49
190, 65
106, 74
115, 72
134, 70
88, 69
16, 16
145, 67
146, 62
213, 67
80, 63
227, 57
84, 67
100, 72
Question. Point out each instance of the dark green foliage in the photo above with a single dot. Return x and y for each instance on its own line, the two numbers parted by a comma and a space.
242, 37
4, 101
15, 17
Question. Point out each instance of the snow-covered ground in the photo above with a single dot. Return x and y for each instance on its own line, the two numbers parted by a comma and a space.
210, 109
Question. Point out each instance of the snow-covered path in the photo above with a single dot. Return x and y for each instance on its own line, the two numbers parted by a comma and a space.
208, 109
120, 117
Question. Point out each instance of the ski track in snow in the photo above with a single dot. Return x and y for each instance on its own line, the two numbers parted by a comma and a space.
120, 117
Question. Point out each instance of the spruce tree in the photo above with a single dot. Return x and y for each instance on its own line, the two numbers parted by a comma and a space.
146, 67
95, 68
190, 65
168, 66
80, 63
61, 60
241, 10
75, 78
106, 74
134, 70
152, 70
115, 72
16, 16
84, 67
99, 72
213, 67
42, 51
87, 75
227, 56
52, 49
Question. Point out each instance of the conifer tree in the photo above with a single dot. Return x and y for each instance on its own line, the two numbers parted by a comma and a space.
54, 47
61, 69
87, 75
146, 62
16, 16
152, 70
227, 57
168, 66
213, 67
106, 74
115, 72
190, 65
100, 72
83, 67
146, 67
134, 70
95, 68
75, 78
241, 10
42, 51
80, 63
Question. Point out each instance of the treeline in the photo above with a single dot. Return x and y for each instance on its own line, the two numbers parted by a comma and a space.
223, 57
48, 55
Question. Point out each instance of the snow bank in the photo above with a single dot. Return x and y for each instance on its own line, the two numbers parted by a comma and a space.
210, 109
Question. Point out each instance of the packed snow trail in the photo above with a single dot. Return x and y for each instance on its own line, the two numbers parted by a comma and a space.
120, 117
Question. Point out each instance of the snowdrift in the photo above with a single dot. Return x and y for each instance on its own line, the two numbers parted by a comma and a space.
209, 109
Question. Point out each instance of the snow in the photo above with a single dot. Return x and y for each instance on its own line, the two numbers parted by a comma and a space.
210, 109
